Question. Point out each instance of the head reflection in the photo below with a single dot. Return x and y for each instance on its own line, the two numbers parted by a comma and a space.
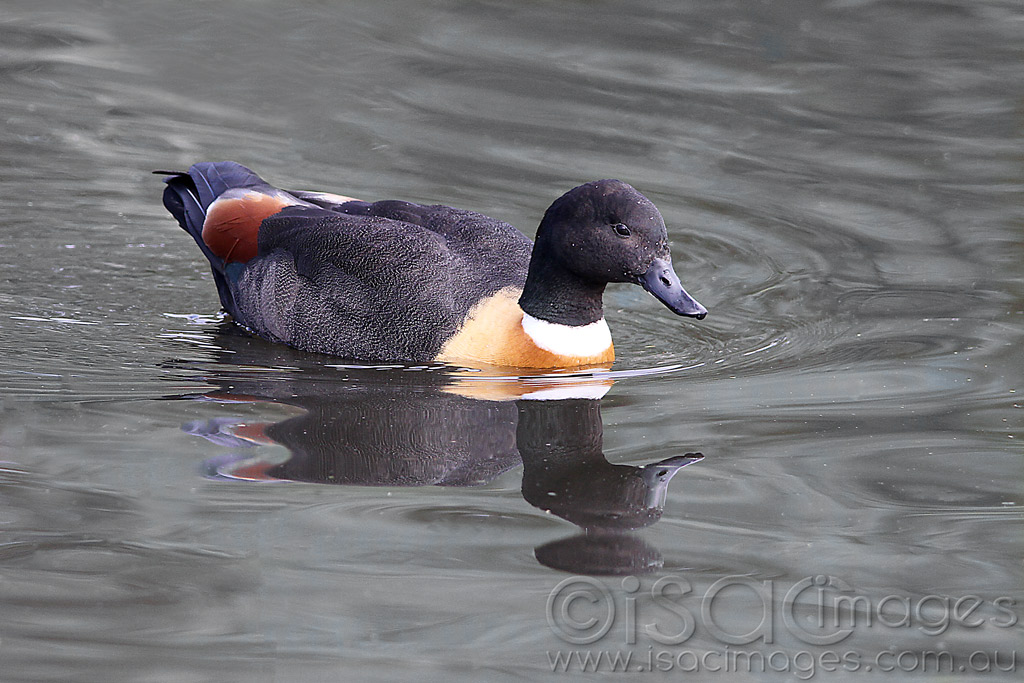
371, 428
565, 473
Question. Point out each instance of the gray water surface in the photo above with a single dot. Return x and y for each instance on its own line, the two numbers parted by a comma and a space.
842, 183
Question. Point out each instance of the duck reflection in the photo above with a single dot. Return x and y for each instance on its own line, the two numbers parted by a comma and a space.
366, 427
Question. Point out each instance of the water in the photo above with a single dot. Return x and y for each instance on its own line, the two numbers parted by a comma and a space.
842, 184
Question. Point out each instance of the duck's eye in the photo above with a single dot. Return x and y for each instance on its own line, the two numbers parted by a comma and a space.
621, 229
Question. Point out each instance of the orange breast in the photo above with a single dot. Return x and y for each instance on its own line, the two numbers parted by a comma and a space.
493, 334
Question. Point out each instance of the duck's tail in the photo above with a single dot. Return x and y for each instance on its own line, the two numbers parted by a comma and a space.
189, 196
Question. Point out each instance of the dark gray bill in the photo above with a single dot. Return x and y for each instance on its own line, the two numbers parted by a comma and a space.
661, 281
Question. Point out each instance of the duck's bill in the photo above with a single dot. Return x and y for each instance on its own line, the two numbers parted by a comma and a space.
661, 281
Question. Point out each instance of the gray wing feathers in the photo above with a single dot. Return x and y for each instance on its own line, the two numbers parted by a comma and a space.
373, 288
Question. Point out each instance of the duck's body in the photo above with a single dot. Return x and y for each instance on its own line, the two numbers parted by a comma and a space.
395, 281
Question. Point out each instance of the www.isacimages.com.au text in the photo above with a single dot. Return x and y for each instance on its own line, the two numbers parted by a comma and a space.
803, 664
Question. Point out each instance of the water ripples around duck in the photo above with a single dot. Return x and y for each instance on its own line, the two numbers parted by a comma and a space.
841, 183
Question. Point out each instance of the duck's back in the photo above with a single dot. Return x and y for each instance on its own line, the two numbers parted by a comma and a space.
382, 281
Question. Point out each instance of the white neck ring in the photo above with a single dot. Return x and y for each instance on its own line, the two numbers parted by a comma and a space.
568, 340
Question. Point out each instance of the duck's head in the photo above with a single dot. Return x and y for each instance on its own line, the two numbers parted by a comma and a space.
606, 231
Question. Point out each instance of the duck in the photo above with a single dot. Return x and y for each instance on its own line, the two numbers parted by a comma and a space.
396, 281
